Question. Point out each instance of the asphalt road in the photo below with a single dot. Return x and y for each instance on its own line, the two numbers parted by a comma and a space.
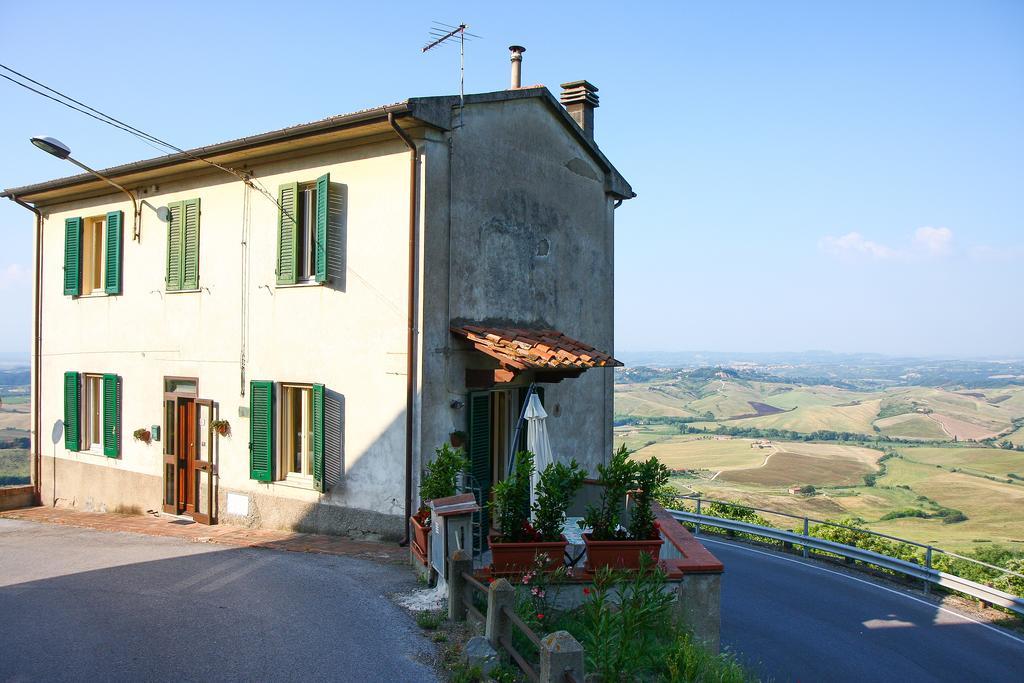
77, 605
793, 620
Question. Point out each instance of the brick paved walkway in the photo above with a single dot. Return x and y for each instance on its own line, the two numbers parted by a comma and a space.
175, 527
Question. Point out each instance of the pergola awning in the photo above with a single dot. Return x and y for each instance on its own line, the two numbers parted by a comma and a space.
552, 354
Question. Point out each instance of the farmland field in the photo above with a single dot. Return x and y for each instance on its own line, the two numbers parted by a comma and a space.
14, 466
941, 443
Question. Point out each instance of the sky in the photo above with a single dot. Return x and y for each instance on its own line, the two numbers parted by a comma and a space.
836, 176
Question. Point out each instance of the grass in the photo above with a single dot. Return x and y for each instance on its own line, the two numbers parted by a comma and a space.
847, 418
14, 466
688, 452
911, 426
810, 463
429, 620
16, 416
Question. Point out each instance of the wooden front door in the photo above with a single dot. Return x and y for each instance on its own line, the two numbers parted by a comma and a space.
186, 438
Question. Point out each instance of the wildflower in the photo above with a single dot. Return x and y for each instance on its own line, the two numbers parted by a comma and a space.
568, 572
540, 615
535, 590
586, 591
526, 579
540, 593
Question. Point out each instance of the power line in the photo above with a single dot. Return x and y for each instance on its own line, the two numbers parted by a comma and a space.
132, 130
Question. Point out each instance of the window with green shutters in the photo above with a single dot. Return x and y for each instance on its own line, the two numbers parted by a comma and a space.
302, 231
72, 256
288, 439
479, 451
111, 416
261, 430
112, 257
318, 437
183, 245
93, 257
72, 410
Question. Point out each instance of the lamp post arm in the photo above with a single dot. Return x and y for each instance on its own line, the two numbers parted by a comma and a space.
135, 202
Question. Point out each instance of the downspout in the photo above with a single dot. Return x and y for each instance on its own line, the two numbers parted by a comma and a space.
37, 386
410, 393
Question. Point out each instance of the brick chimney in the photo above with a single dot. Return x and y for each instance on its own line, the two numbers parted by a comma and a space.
580, 99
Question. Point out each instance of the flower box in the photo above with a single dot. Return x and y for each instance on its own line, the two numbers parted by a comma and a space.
420, 540
519, 558
619, 554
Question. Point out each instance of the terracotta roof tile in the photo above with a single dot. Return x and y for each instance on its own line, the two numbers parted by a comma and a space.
538, 349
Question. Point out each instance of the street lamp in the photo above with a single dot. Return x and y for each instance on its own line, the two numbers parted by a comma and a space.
61, 151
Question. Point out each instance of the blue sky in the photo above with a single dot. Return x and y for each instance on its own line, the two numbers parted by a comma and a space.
840, 176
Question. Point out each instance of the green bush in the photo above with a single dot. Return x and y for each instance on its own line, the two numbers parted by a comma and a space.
439, 479
511, 503
689, 662
556, 488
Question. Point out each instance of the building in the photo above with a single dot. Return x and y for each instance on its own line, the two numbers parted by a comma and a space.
338, 301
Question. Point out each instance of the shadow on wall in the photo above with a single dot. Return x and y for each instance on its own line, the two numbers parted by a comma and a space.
229, 611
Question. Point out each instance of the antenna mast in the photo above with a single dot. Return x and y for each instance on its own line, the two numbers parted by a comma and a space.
442, 35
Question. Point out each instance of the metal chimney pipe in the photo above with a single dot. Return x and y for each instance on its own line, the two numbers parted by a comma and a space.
517, 64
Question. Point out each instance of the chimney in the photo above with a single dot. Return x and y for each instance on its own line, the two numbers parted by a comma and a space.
517, 64
580, 100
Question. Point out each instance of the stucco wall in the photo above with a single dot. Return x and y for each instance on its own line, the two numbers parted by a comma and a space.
349, 335
518, 178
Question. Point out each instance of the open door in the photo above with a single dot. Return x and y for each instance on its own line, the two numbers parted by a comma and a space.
171, 503
203, 466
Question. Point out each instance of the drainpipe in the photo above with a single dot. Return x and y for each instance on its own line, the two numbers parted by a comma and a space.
410, 393
37, 386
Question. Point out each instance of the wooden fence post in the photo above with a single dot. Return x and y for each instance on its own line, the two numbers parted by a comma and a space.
500, 596
461, 562
559, 653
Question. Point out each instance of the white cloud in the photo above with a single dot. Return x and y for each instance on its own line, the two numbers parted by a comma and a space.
854, 244
927, 242
13, 275
933, 241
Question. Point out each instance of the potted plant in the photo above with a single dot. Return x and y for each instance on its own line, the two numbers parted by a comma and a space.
142, 434
437, 482
521, 545
456, 439
222, 427
609, 545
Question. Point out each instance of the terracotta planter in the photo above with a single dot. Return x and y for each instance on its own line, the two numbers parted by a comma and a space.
619, 554
420, 542
518, 558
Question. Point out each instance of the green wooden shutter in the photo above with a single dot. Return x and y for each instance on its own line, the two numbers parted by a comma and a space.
318, 437
190, 245
111, 416
261, 430
323, 189
174, 246
479, 450
72, 402
287, 233
115, 229
73, 257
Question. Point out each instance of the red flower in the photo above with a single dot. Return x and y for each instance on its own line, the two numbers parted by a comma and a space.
586, 591
540, 616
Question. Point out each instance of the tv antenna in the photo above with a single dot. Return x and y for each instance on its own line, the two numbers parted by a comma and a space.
444, 35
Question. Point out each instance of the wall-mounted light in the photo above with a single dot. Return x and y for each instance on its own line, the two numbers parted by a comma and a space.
55, 147
457, 404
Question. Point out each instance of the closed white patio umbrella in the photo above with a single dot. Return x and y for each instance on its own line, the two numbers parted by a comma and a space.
537, 441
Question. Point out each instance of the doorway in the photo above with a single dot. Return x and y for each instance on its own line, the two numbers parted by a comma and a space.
188, 451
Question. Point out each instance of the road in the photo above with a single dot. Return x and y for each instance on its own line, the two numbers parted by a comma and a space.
77, 604
794, 620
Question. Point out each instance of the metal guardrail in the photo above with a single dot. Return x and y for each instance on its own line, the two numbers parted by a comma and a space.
916, 571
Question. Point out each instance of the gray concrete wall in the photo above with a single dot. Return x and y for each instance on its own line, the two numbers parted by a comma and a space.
519, 182
94, 488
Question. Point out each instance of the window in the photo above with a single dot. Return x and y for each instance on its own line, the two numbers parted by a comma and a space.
92, 412
92, 254
296, 431
302, 234
183, 246
286, 437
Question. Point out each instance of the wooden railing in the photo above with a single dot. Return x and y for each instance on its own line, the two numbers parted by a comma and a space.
560, 655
